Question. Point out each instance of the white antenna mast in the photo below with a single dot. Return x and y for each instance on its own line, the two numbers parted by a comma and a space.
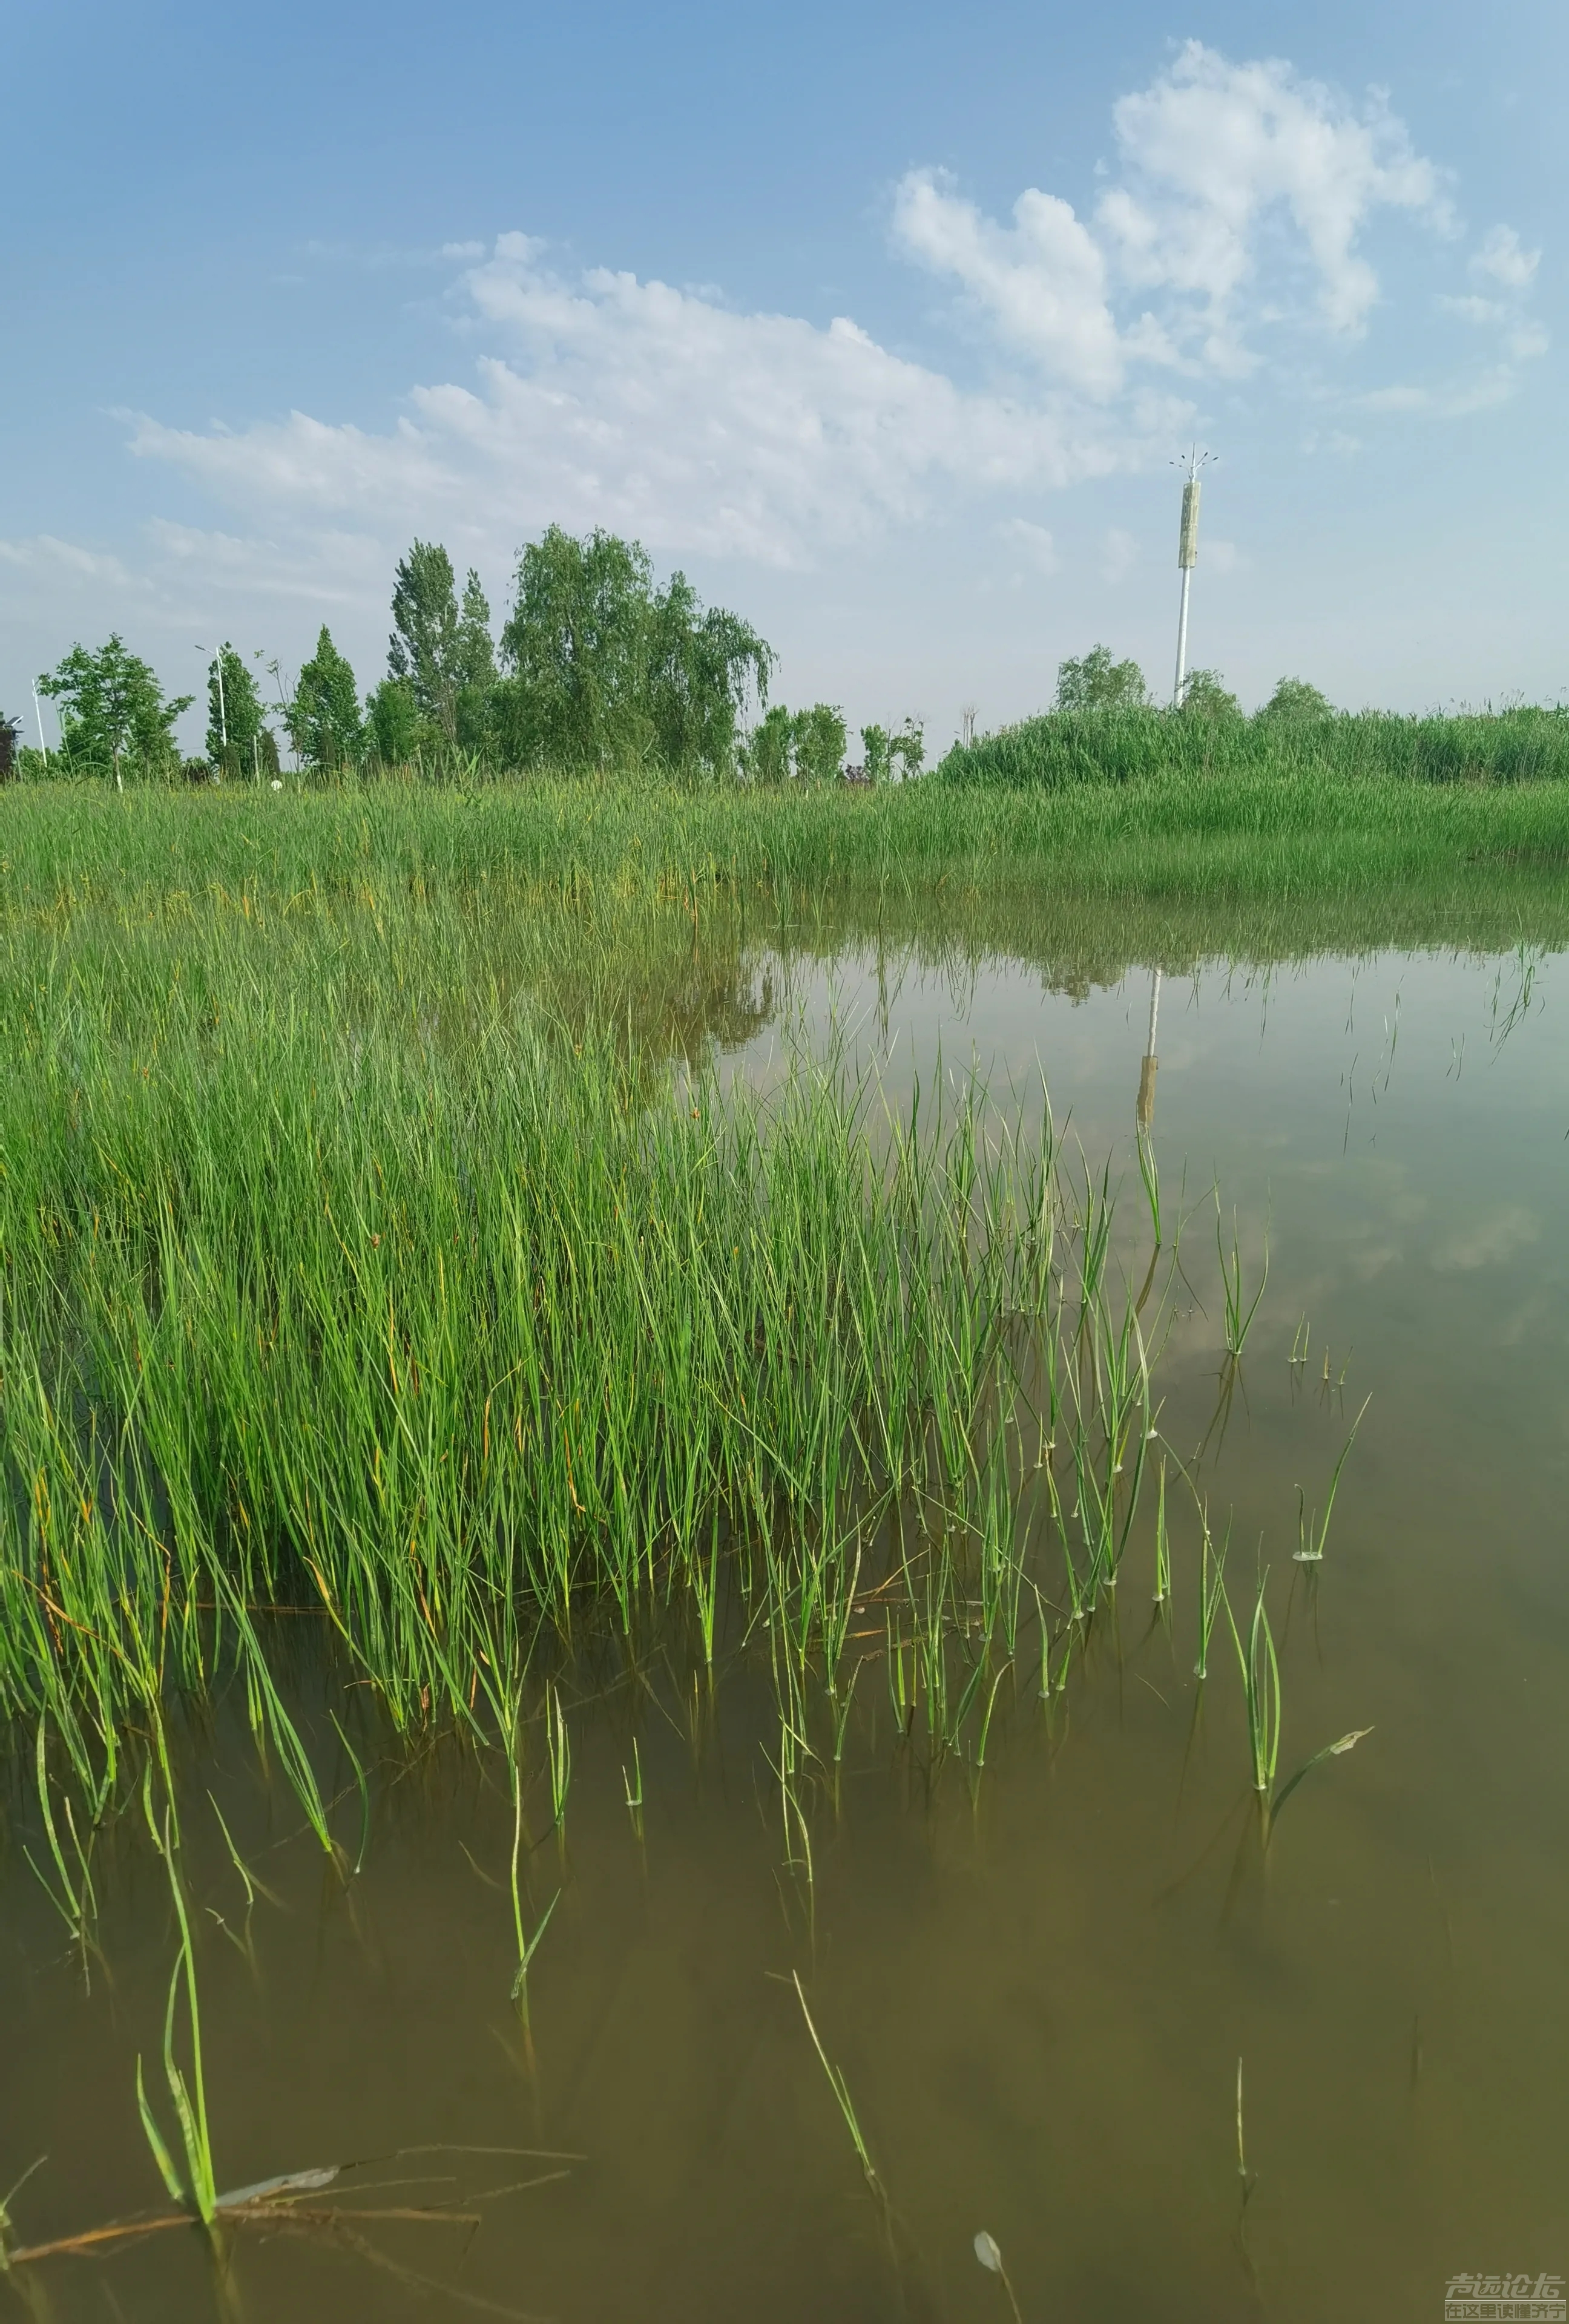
1187, 557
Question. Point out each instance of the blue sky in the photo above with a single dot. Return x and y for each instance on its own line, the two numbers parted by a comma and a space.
883, 322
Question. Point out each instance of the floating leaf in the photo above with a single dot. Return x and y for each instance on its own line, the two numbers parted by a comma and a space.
1330, 1751
288, 2182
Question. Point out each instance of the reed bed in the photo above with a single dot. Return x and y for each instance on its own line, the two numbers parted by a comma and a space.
338, 1275
382, 1249
434, 1344
1254, 863
1066, 747
382, 1260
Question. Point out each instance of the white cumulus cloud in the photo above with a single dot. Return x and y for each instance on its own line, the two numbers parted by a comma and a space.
1238, 183
1501, 257
1041, 281
662, 413
1218, 156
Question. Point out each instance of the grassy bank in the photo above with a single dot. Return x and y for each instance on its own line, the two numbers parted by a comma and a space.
1300, 864
1065, 749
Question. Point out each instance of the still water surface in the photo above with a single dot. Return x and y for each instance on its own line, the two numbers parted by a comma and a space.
1038, 1979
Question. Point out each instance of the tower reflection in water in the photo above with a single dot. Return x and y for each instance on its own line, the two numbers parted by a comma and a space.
1146, 1106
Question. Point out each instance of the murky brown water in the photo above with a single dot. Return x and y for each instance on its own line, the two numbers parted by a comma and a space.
1038, 1978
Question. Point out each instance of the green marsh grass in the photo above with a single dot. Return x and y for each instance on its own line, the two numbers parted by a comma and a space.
1258, 865
1162, 1545
1063, 750
558, 1748
69, 1889
367, 1254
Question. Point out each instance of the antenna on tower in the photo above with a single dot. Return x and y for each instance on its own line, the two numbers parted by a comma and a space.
1192, 463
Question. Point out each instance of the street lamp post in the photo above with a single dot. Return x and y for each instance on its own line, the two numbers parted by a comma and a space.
217, 664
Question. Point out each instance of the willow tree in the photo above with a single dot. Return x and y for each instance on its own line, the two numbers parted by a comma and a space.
604, 669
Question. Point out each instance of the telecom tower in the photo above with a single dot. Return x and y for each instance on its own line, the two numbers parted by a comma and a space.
1188, 557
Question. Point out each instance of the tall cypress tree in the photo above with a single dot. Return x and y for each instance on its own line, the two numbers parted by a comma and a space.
324, 718
425, 646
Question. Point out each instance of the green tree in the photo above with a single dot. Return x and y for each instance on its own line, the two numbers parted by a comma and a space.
880, 751
1205, 695
1294, 698
1096, 682
700, 665
426, 644
392, 723
10, 748
908, 747
324, 718
766, 755
574, 644
476, 671
605, 670
818, 736
250, 742
113, 718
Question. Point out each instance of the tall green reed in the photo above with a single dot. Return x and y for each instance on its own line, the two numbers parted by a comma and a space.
345, 1274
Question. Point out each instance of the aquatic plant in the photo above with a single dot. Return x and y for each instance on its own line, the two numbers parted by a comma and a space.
197, 2187
1260, 1673
841, 2098
1313, 1532
1239, 1310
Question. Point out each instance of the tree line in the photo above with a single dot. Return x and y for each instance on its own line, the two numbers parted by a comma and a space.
1098, 681
595, 666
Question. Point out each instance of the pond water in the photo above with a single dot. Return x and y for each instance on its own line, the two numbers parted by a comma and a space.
1037, 1978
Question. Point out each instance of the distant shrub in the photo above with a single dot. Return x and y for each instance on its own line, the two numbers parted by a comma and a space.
1205, 695
1294, 698
1096, 682
808, 744
1057, 750
392, 721
819, 738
